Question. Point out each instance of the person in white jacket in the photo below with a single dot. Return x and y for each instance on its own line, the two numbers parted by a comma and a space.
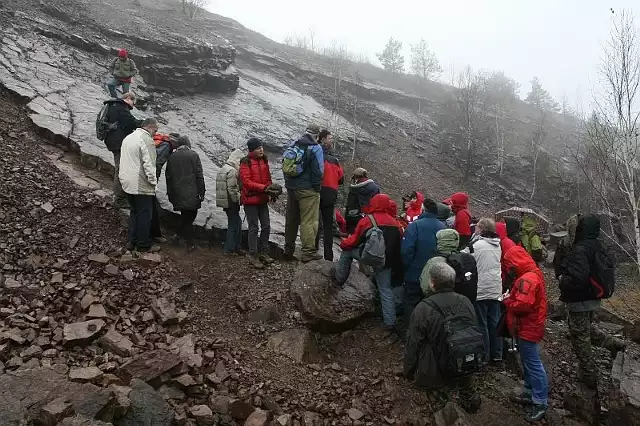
485, 248
228, 197
138, 178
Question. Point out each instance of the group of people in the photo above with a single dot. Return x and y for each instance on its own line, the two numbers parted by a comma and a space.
467, 284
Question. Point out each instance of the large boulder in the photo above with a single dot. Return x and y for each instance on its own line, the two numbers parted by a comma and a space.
327, 307
148, 407
625, 391
297, 344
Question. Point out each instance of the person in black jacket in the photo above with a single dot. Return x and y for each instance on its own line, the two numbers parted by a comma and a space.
573, 267
119, 113
361, 191
513, 229
185, 187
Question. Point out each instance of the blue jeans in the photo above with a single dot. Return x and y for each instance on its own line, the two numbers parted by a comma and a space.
535, 376
383, 281
488, 312
141, 210
234, 229
112, 85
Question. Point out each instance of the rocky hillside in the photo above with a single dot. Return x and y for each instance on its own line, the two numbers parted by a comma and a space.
221, 83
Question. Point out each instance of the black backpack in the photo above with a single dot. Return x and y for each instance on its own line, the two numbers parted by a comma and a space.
466, 274
602, 277
464, 344
103, 127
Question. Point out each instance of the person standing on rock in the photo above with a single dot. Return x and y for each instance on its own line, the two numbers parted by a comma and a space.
575, 271
119, 113
379, 210
228, 198
361, 191
185, 188
255, 177
526, 313
332, 179
303, 169
138, 178
123, 69
418, 246
485, 248
427, 355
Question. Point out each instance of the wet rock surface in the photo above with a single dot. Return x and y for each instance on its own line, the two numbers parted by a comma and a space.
327, 306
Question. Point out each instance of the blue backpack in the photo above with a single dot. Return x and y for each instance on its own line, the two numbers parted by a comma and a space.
293, 160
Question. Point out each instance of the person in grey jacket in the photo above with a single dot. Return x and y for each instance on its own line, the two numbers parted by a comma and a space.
228, 197
485, 248
185, 187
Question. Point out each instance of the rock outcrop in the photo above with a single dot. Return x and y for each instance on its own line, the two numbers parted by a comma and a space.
326, 306
625, 393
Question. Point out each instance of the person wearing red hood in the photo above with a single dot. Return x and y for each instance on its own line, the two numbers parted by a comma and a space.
379, 209
123, 69
462, 224
415, 208
526, 313
505, 245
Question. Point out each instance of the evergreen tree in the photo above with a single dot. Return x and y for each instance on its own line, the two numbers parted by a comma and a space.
391, 57
540, 98
424, 62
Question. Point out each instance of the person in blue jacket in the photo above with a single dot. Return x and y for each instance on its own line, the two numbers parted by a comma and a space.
418, 246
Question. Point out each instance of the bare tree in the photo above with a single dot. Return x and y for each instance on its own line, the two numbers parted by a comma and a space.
312, 39
470, 96
424, 62
191, 7
613, 132
501, 93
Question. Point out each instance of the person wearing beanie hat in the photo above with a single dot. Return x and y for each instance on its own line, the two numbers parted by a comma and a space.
123, 69
303, 194
361, 191
185, 187
255, 177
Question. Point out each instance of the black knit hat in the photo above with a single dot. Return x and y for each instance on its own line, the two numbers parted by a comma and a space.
253, 144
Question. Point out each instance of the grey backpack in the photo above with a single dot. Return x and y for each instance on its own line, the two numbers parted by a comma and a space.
374, 248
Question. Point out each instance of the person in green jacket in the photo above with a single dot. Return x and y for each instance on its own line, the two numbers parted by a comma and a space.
123, 69
447, 243
530, 240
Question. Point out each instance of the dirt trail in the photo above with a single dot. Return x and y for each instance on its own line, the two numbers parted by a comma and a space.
219, 293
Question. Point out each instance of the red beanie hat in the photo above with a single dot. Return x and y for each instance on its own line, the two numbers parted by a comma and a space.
122, 53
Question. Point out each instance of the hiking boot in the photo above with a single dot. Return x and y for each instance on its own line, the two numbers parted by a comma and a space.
159, 240
231, 253
241, 252
523, 398
311, 257
153, 249
537, 413
255, 262
617, 346
265, 258
130, 246
390, 335
289, 257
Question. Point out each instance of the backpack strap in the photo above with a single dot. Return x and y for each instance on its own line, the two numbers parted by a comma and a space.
373, 221
435, 306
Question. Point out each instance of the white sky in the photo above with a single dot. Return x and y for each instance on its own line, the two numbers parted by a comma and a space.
560, 41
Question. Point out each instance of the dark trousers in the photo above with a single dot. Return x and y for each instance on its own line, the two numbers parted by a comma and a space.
327, 219
140, 214
255, 214
156, 232
234, 229
412, 296
186, 225
488, 314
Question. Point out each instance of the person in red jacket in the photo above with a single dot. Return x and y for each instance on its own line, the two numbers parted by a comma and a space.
526, 313
256, 180
379, 208
415, 208
332, 178
505, 245
462, 224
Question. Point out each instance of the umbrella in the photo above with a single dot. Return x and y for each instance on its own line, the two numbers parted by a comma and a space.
542, 223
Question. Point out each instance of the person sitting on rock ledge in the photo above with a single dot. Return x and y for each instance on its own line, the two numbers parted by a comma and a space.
185, 187
119, 113
361, 191
429, 352
379, 208
138, 178
255, 177
123, 69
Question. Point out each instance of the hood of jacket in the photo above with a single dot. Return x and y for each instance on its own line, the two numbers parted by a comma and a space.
518, 260
362, 184
492, 239
444, 211
393, 208
459, 201
588, 228
501, 230
416, 205
306, 140
529, 225
513, 226
234, 159
380, 203
448, 241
